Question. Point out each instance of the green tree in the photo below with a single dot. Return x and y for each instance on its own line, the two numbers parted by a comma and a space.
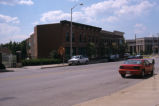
91, 49
17, 46
23, 49
54, 54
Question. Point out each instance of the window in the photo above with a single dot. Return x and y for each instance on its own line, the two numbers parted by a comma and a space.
67, 51
73, 37
67, 37
80, 38
74, 51
133, 62
84, 37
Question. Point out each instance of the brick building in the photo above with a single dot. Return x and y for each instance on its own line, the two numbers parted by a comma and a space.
50, 37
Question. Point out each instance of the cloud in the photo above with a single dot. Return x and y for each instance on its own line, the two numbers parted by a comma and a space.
14, 2
112, 19
104, 7
54, 16
6, 29
8, 19
137, 9
107, 11
10, 33
139, 28
35, 23
17, 38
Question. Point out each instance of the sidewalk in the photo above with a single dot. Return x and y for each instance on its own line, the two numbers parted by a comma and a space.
39, 67
53, 65
145, 93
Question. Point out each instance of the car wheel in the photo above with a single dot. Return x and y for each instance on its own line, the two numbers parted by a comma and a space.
152, 72
123, 75
78, 62
143, 74
86, 62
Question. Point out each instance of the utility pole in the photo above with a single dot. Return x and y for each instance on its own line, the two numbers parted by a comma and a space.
71, 29
135, 45
158, 43
153, 44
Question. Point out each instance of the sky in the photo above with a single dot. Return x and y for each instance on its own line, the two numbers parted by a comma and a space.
19, 17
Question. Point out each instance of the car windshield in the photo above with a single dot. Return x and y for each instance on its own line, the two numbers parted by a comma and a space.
75, 57
133, 62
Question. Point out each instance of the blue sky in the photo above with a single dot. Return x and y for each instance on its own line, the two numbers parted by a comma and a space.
18, 17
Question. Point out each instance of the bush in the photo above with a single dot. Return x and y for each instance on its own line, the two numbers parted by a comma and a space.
2, 66
40, 62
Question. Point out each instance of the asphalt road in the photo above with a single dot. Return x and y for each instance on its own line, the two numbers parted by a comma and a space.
62, 86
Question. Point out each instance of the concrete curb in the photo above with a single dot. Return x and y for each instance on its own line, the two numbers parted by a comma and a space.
60, 65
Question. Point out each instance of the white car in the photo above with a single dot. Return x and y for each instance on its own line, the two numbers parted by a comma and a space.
78, 59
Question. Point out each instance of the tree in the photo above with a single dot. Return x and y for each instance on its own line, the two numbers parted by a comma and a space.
54, 54
91, 49
23, 49
17, 46
103, 50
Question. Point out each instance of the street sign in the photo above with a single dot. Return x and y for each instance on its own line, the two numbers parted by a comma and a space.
61, 51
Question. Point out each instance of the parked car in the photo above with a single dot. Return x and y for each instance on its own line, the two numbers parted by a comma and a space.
78, 59
139, 56
114, 57
126, 55
136, 67
131, 57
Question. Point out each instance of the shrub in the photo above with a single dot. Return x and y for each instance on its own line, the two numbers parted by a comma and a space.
40, 62
2, 66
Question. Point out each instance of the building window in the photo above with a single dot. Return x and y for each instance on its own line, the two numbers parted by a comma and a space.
80, 38
67, 51
67, 37
82, 51
84, 37
74, 51
73, 37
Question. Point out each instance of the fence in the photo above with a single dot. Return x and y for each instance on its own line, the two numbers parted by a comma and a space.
9, 60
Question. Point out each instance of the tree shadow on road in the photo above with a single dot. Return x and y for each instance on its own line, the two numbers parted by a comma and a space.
4, 70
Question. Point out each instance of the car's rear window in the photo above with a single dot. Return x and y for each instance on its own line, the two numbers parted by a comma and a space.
133, 62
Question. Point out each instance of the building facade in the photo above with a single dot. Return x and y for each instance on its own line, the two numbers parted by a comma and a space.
50, 37
146, 45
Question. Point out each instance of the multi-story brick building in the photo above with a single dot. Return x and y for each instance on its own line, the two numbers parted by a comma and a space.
50, 37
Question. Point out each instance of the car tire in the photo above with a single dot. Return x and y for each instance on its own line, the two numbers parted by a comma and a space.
143, 74
152, 72
78, 63
86, 62
123, 75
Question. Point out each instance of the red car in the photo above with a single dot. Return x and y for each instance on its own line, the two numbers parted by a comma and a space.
136, 67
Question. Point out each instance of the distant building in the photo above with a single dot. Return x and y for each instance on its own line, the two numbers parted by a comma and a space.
131, 46
50, 37
146, 45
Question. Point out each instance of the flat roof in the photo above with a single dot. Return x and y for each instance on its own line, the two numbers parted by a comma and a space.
75, 23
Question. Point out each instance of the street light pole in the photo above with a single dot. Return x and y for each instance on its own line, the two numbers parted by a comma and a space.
71, 35
71, 29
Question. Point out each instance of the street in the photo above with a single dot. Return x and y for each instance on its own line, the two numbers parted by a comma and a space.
62, 86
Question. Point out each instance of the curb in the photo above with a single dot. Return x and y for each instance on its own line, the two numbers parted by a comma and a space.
61, 65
